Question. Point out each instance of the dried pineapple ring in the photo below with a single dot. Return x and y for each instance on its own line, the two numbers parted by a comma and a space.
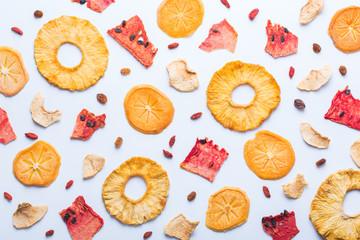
82, 34
242, 117
149, 206
326, 211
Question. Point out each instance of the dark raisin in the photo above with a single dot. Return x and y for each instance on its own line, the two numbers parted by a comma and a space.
82, 117
123, 24
286, 213
342, 114
67, 216
38, 14
299, 104
320, 162
88, 123
146, 44
82, 1
316, 48
118, 30
140, 42
266, 224
342, 70
73, 220
273, 222
132, 37
203, 141
282, 39
272, 38
263, 220
214, 30
347, 92
286, 30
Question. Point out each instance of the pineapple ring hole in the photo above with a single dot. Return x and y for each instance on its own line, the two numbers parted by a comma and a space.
135, 187
243, 95
69, 55
351, 203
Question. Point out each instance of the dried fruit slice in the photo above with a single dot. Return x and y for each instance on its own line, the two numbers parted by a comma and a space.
97, 5
242, 117
150, 205
180, 18
316, 79
132, 36
281, 227
295, 188
221, 36
269, 155
148, 110
311, 10
228, 208
40, 115
86, 124
344, 109
82, 34
281, 42
180, 227
7, 133
355, 152
205, 159
13, 74
81, 220
312, 137
37, 165
327, 212
344, 29
92, 165
181, 77
27, 215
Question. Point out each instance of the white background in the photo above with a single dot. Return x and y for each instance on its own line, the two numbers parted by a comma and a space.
284, 120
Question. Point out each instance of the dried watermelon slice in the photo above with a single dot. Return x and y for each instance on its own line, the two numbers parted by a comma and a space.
131, 35
86, 124
221, 36
205, 159
344, 109
6, 131
281, 42
97, 5
81, 220
281, 227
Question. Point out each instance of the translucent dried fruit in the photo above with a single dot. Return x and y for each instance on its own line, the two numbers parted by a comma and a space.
181, 77
27, 215
295, 188
228, 208
180, 227
311, 10
92, 164
40, 115
7, 133
312, 137
316, 79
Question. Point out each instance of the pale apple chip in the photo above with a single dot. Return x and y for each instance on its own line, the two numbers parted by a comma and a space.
40, 115
295, 188
92, 165
27, 215
181, 77
180, 227
311, 10
312, 137
316, 79
355, 152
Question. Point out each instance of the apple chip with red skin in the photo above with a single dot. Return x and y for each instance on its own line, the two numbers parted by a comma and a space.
97, 5
281, 227
205, 159
7, 133
86, 124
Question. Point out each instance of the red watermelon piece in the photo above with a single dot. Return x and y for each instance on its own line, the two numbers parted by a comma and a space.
205, 159
7, 133
97, 5
86, 124
281, 42
221, 36
345, 109
81, 220
281, 227
131, 35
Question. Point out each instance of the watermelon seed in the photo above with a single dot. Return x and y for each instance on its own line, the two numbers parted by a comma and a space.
214, 30
82, 117
286, 30
347, 92
118, 30
123, 23
73, 220
82, 1
263, 220
286, 213
88, 123
273, 222
211, 164
132, 37
272, 38
342, 114
266, 224
146, 44
66, 217
140, 42
282, 39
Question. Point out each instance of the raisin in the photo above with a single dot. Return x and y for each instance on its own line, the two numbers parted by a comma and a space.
7, 196
266, 192
191, 196
49, 233
67, 216
226, 3
347, 92
253, 14
88, 123
82, 117
125, 71
172, 141
147, 235
320, 162
273, 222
38, 14
118, 30
173, 45
282, 39
73, 220
167, 154
291, 72
118, 142
196, 115
299, 104
342, 114
316, 48
69, 184
342, 70
31, 135
132, 37
101, 98
123, 23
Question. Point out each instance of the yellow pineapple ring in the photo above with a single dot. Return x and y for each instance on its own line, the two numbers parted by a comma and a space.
326, 211
242, 117
150, 205
82, 34
228, 208
37, 165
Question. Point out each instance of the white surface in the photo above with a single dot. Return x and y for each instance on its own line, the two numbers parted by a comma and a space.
250, 48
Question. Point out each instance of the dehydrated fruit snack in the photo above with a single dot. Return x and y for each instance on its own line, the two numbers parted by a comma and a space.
180, 228
82, 34
327, 212
148, 110
181, 77
355, 152
316, 79
344, 29
86, 124
37, 165
242, 117
205, 159
97, 5
311, 10
312, 137
150, 205
221, 36
269, 155
7, 133
281, 227
228, 208
40, 115
92, 164
131, 35
180, 18
295, 188
27, 215
281, 42
81, 220
13, 73
344, 109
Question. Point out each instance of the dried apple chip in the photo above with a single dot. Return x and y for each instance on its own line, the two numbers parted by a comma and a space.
311, 10
181, 77
312, 137
27, 215
316, 79
92, 165
40, 115
295, 188
355, 152
180, 227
